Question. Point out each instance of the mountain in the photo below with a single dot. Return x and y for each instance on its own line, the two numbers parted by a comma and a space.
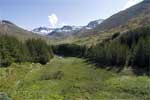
131, 18
9, 28
138, 14
57, 32
43, 30
66, 30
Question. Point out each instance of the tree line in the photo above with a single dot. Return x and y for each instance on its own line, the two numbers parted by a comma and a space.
128, 49
68, 50
32, 50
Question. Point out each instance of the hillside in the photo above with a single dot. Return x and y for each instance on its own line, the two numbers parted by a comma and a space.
139, 13
71, 79
9, 28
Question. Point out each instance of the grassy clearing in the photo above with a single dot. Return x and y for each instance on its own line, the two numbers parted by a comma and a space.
70, 79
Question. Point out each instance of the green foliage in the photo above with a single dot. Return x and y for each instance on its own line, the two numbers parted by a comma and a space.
109, 54
39, 51
142, 53
71, 50
132, 37
12, 50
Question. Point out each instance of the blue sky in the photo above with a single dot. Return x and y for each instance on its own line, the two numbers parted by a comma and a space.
56, 13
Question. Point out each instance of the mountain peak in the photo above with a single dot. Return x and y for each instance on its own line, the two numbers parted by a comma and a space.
6, 22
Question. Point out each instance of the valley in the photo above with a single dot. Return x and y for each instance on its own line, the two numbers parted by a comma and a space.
104, 59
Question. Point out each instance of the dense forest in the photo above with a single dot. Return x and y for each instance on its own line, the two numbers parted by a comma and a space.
127, 49
32, 50
68, 50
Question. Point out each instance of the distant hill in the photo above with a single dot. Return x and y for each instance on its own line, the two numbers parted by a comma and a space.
9, 28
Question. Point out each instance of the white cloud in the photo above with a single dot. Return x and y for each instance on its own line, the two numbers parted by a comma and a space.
53, 19
131, 3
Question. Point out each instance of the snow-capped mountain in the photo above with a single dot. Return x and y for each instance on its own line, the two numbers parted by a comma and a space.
43, 30
49, 31
66, 30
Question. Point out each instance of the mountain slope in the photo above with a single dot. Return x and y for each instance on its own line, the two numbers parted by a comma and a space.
140, 10
7, 27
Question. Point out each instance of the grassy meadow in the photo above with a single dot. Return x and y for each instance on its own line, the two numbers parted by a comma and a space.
70, 79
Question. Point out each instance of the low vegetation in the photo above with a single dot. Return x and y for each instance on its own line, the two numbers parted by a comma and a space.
71, 79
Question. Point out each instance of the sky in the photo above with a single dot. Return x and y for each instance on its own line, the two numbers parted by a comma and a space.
30, 14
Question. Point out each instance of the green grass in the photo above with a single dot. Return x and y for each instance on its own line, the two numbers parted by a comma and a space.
70, 79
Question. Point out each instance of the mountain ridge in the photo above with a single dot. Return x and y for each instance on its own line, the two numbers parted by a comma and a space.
66, 30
